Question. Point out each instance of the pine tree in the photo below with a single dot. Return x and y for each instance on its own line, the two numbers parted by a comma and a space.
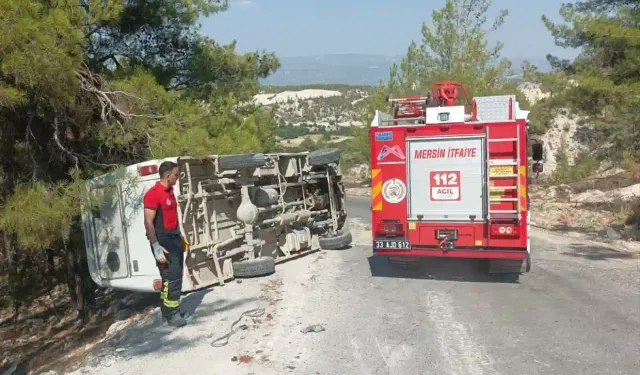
89, 85
453, 48
603, 82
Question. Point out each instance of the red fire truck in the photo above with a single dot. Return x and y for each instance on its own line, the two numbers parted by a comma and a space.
451, 180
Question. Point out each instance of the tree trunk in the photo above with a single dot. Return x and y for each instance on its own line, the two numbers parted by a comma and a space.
81, 288
15, 282
70, 272
51, 265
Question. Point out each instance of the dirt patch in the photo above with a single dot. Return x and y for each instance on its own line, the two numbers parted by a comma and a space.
611, 216
49, 335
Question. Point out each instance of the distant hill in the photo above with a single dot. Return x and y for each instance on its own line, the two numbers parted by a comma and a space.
329, 106
348, 69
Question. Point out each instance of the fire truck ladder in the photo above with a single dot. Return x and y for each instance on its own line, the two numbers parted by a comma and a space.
504, 214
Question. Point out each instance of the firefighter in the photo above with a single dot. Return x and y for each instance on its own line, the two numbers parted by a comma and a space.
167, 244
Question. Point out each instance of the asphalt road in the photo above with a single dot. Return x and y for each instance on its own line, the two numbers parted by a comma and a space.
576, 312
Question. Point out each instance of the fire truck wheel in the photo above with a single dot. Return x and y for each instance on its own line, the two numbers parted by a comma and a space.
324, 156
510, 277
240, 161
339, 242
254, 267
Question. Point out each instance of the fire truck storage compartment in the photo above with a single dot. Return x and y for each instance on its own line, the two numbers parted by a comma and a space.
446, 178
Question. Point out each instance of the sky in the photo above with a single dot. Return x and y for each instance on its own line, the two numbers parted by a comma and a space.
293, 28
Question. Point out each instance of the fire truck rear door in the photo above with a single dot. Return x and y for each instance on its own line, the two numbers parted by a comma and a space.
446, 178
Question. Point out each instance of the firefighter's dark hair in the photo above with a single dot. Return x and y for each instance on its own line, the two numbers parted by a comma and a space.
166, 167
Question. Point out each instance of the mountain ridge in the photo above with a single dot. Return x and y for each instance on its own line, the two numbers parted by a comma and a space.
350, 69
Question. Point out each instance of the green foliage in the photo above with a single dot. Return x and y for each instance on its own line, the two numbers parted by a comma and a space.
530, 72
291, 132
455, 48
603, 82
87, 86
309, 144
359, 151
42, 214
41, 47
582, 167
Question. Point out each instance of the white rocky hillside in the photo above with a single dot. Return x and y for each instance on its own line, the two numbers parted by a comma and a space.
563, 132
316, 107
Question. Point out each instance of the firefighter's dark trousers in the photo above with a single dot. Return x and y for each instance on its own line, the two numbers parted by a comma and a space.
171, 273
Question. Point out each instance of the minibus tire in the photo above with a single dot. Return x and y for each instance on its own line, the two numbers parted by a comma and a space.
254, 267
241, 161
338, 242
324, 156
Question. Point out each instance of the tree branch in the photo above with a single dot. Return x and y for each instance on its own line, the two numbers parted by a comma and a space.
109, 110
56, 138
29, 134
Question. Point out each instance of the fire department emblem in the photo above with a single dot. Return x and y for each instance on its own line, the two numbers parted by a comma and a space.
394, 190
394, 150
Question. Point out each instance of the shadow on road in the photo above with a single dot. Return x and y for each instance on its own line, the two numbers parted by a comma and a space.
442, 269
153, 337
594, 252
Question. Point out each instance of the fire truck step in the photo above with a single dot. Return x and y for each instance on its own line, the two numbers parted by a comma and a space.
505, 176
504, 199
497, 188
503, 162
503, 140
503, 211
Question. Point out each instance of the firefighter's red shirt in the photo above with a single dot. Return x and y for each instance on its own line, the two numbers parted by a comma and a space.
162, 199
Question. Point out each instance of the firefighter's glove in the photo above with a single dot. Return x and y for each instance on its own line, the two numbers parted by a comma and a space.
158, 252
185, 244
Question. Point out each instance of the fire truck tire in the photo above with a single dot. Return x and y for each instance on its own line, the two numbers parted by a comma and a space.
528, 263
240, 161
324, 156
254, 267
338, 242
511, 277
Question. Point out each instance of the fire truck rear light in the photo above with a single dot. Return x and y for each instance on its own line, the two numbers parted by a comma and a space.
157, 284
390, 229
147, 170
538, 168
505, 230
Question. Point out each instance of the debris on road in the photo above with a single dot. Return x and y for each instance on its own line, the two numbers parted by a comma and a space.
245, 358
313, 328
254, 313
242, 359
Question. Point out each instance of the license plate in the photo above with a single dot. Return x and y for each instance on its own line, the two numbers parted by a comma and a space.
391, 244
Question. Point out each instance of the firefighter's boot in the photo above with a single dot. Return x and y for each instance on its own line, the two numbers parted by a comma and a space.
176, 320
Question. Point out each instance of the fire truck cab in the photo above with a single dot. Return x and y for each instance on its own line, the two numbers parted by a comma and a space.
451, 180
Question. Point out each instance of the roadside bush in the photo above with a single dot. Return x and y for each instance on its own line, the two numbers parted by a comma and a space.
583, 166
